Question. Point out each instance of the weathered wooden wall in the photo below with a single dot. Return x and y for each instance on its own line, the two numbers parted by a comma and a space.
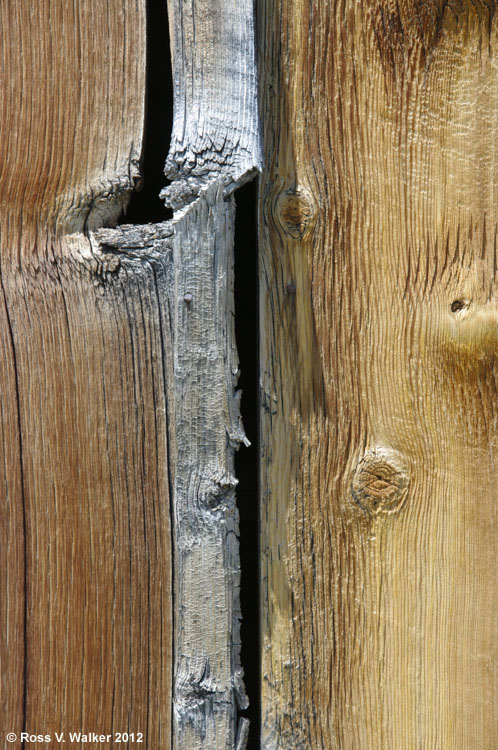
118, 376
379, 397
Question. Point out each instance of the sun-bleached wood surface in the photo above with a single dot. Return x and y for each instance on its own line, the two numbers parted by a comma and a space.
214, 148
85, 598
379, 397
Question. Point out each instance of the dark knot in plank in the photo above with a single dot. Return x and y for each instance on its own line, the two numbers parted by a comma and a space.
295, 213
380, 482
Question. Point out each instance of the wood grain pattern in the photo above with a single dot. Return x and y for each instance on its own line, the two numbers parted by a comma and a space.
379, 341
214, 148
86, 603
215, 127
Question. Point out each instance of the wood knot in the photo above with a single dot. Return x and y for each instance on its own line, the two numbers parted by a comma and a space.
459, 304
380, 482
295, 213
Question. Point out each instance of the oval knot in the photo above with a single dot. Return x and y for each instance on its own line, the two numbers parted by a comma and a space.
380, 482
295, 212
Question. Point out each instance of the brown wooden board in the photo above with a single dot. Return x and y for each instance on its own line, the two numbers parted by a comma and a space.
85, 603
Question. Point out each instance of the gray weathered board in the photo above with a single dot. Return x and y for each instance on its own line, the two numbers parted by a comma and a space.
214, 149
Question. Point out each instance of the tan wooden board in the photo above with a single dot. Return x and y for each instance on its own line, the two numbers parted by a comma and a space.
379, 339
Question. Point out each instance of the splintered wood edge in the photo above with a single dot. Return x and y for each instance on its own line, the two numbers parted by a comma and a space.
215, 147
212, 152
216, 128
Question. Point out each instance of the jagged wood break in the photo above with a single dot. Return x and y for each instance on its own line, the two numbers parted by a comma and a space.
85, 599
379, 327
214, 148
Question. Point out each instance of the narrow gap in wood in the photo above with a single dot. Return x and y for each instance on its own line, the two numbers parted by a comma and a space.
246, 459
145, 205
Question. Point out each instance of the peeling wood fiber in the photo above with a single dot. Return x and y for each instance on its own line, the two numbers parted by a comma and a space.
118, 376
214, 148
215, 129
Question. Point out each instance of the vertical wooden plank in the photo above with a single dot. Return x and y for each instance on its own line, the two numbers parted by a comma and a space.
12, 521
379, 342
214, 148
84, 386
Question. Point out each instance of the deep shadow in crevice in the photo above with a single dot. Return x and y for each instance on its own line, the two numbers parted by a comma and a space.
145, 205
246, 459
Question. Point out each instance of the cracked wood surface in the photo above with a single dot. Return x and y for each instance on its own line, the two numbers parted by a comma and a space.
215, 129
214, 148
85, 361
378, 374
